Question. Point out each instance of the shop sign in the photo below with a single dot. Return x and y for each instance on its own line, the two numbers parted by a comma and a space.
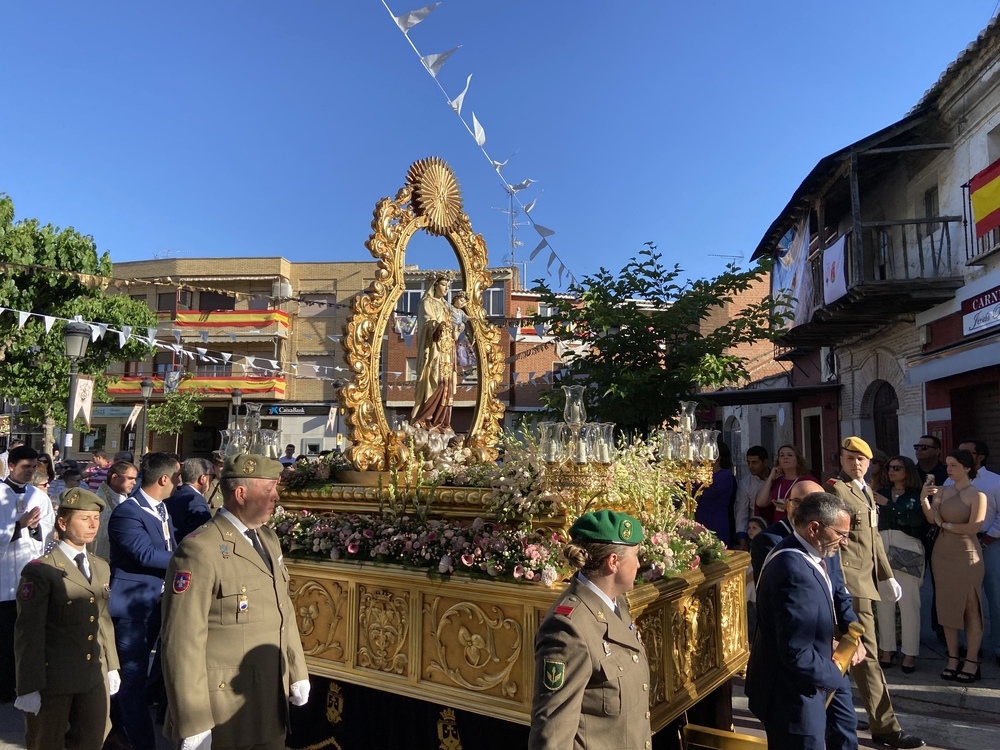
297, 410
981, 312
111, 412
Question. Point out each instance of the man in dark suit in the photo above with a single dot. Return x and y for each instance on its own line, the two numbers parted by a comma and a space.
791, 670
142, 543
187, 506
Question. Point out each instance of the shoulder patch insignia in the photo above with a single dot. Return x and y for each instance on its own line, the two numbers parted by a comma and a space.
25, 590
182, 581
224, 549
831, 481
564, 609
554, 675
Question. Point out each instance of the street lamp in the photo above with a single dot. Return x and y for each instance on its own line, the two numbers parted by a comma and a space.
76, 336
237, 397
146, 388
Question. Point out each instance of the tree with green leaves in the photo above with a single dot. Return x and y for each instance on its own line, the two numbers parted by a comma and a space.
177, 411
642, 340
57, 273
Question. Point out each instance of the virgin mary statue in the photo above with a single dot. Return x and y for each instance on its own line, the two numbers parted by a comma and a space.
436, 377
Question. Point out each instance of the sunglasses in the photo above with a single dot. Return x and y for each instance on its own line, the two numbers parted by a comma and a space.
895, 467
920, 447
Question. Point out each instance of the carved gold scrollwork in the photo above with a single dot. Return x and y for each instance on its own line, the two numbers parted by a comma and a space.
693, 625
733, 614
651, 629
430, 201
467, 629
384, 623
318, 616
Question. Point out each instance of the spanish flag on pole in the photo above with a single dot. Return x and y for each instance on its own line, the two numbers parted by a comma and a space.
984, 191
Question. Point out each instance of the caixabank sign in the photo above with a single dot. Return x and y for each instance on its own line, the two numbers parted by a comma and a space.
297, 410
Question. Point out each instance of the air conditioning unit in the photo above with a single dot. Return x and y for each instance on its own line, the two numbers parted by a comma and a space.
828, 363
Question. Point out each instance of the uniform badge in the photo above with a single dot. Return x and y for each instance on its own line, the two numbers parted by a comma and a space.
250, 466
242, 603
224, 549
564, 609
25, 590
600, 614
182, 581
554, 674
626, 530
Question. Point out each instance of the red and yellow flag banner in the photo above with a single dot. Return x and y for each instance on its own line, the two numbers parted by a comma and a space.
984, 191
231, 318
210, 385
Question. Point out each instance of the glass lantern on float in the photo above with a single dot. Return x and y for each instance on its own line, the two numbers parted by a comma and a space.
688, 455
577, 454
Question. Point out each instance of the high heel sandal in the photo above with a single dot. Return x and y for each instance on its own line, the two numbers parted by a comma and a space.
969, 677
948, 673
886, 663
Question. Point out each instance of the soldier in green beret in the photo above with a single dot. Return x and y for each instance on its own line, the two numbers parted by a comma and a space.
64, 642
232, 658
591, 673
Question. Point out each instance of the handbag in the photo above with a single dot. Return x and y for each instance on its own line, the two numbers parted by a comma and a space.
906, 561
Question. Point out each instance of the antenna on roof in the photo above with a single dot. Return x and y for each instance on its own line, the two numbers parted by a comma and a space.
166, 253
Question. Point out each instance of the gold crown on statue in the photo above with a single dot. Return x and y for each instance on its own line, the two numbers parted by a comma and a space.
435, 276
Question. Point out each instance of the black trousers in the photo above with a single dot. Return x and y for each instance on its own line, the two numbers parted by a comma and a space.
8, 672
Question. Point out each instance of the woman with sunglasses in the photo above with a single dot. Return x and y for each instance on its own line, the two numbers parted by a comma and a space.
45, 464
957, 562
902, 526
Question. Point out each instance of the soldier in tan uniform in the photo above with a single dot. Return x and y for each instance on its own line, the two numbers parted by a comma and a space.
591, 673
864, 563
232, 658
64, 641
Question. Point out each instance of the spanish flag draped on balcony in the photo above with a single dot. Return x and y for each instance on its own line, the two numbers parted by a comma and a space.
984, 191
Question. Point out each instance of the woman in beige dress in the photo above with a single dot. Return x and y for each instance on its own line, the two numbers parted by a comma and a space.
957, 561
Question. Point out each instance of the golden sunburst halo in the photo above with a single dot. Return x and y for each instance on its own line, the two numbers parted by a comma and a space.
436, 194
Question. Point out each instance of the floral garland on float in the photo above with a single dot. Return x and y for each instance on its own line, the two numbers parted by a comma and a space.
534, 496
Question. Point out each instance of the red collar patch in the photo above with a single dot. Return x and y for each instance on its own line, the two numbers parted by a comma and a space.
182, 581
564, 609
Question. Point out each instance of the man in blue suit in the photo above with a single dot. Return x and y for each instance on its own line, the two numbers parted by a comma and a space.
187, 506
142, 543
801, 607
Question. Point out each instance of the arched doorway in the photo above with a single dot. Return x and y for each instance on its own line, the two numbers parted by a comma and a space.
732, 435
885, 406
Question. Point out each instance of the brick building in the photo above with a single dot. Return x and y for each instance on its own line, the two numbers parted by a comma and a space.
267, 326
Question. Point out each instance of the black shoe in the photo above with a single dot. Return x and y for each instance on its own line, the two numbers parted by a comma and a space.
898, 739
863, 725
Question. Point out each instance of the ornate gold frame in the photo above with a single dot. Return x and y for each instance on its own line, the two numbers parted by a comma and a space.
430, 200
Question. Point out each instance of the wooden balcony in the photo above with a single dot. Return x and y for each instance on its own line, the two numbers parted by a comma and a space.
253, 386
901, 268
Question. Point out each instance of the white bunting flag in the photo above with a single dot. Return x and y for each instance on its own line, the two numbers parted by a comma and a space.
22, 318
226, 356
456, 103
103, 328
552, 257
177, 334
499, 165
133, 416
95, 332
151, 334
251, 361
478, 130
521, 185
538, 249
331, 419
434, 62
127, 330
203, 335
530, 206
540, 330
512, 330
543, 231
407, 21
49, 321
562, 270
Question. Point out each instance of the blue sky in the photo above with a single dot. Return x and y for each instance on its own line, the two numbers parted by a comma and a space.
242, 127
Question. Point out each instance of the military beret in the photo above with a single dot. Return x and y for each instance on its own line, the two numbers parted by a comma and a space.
251, 466
78, 498
857, 445
607, 526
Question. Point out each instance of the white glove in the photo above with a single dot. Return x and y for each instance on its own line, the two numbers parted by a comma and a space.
299, 693
114, 681
201, 741
30, 703
897, 590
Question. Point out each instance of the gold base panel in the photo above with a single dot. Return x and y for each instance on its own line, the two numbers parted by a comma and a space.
468, 643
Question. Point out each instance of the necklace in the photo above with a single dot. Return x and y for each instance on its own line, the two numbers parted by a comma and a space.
782, 497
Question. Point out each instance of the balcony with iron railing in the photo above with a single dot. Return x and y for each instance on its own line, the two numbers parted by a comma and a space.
898, 268
229, 323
